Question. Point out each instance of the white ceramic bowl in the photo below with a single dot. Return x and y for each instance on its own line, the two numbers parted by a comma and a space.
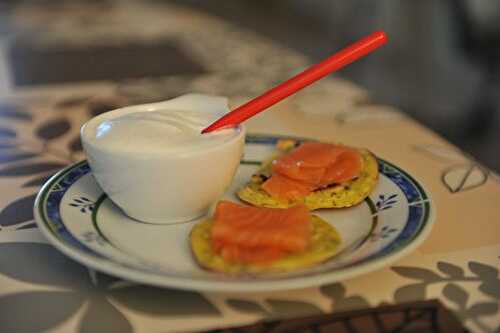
164, 187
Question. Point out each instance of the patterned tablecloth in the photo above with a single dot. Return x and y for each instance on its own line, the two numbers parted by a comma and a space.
42, 290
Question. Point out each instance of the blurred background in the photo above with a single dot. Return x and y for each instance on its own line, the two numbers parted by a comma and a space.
441, 66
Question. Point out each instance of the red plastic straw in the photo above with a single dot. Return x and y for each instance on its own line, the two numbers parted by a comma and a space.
287, 88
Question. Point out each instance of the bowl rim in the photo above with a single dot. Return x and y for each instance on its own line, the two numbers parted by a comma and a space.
240, 129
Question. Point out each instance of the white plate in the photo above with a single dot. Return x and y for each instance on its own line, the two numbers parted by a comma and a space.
79, 219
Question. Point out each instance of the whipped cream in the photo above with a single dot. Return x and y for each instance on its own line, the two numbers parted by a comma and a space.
159, 130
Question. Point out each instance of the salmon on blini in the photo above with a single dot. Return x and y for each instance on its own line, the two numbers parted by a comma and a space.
245, 239
319, 175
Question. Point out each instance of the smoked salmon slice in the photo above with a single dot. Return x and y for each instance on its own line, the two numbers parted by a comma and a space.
283, 187
235, 253
347, 166
307, 162
311, 166
256, 234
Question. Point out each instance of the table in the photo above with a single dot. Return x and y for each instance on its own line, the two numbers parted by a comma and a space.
42, 290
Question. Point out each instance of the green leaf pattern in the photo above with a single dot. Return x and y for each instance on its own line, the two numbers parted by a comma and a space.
53, 307
456, 294
450, 269
451, 279
245, 306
